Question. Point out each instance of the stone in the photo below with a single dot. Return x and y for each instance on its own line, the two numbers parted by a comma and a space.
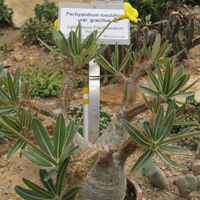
17, 57
23, 9
7, 63
195, 52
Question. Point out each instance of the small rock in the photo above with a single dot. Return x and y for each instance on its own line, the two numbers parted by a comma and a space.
7, 63
17, 57
195, 52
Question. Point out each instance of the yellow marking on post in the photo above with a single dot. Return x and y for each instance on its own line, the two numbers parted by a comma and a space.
85, 90
86, 101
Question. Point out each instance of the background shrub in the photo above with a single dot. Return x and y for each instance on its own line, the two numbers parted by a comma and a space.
41, 25
154, 7
5, 14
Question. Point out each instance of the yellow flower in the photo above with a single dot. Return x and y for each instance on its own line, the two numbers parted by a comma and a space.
130, 13
56, 24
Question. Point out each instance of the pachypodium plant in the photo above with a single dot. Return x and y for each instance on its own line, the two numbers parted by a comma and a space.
102, 173
54, 157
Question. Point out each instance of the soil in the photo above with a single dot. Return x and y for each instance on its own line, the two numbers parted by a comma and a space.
11, 171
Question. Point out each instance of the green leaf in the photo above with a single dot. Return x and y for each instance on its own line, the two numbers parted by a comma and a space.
180, 110
78, 60
160, 76
37, 189
147, 102
177, 75
48, 184
17, 87
170, 107
184, 94
187, 88
78, 30
71, 194
38, 167
61, 176
176, 137
116, 62
153, 79
59, 135
50, 48
8, 134
28, 194
168, 161
147, 128
32, 158
135, 134
158, 123
11, 87
15, 147
104, 63
166, 82
74, 43
9, 121
88, 41
17, 75
42, 137
39, 156
141, 162
4, 95
167, 126
173, 149
66, 153
49, 175
156, 47
161, 50
5, 109
101, 49
148, 90
124, 62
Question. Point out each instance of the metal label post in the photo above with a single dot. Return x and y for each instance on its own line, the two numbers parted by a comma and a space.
94, 104
86, 113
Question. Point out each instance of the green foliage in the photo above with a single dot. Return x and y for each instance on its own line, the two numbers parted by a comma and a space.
48, 80
154, 7
79, 81
21, 123
52, 155
193, 113
72, 48
51, 191
117, 65
5, 14
154, 136
154, 139
13, 95
169, 85
5, 48
76, 114
41, 25
145, 22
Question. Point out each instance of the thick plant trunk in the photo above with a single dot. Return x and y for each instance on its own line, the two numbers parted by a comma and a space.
106, 180
102, 171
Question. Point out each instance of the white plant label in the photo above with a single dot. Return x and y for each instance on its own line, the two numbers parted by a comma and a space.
92, 19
